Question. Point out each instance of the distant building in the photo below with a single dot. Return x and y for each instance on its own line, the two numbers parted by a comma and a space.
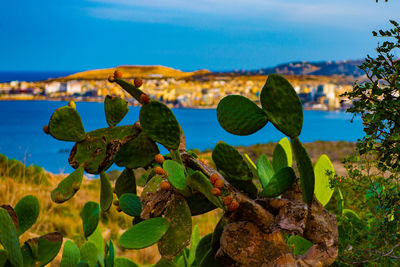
74, 87
55, 87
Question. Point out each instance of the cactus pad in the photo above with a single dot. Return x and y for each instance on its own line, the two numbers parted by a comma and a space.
68, 187
203, 247
299, 244
199, 204
229, 160
323, 191
115, 109
130, 88
49, 245
199, 182
71, 255
9, 239
130, 204
239, 115
282, 105
265, 170
124, 262
160, 124
3, 257
65, 124
89, 253
304, 165
106, 192
144, 234
279, 183
27, 210
177, 238
126, 183
138, 152
175, 174
96, 152
282, 156
90, 217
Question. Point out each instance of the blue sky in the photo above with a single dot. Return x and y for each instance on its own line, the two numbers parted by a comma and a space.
77, 35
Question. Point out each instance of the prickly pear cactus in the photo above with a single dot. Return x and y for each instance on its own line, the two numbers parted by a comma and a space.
260, 201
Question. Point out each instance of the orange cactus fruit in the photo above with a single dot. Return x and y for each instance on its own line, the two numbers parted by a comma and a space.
111, 78
138, 82
159, 158
159, 170
144, 99
165, 185
118, 74
214, 177
46, 129
216, 192
219, 183
233, 206
228, 200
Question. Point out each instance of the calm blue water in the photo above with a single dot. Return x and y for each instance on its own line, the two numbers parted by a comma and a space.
31, 76
21, 134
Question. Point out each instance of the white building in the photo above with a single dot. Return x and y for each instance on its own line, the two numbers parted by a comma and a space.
74, 87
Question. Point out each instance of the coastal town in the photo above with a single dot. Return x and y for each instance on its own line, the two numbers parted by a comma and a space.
201, 89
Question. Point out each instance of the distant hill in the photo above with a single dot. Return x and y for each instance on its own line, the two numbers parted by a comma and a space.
324, 68
134, 71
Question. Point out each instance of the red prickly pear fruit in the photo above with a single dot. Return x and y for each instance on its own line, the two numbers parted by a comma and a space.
233, 206
216, 192
75, 186
144, 99
159, 170
116, 202
214, 177
165, 185
228, 200
46, 129
219, 183
111, 78
118, 74
138, 82
159, 158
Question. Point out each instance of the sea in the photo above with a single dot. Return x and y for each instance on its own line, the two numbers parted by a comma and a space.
22, 138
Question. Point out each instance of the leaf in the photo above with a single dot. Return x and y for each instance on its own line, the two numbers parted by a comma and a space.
323, 191
165, 263
109, 260
177, 238
198, 181
175, 174
124, 262
265, 170
153, 185
89, 253
3, 257
282, 105
49, 246
130, 88
210, 261
251, 165
9, 239
216, 235
193, 245
71, 255
27, 210
279, 183
67, 188
306, 170
144, 234
65, 124
239, 115
160, 124
282, 156
97, 238
90, 217
340, 204
203, 247
106, 192
299, 244
115, 109
126, 183
130, 204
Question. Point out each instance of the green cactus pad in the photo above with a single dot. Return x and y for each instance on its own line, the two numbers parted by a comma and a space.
166, 263
144, 234
89, 253
282, 105
160, 124
106, 192
153, 185
130, 204
323, 191
66, 125
3, 257
49, 246
130, 88
239, 115
299, 244
67, 188
138, 152
124, 262
251, 165
115, 109
97, 238
71, 255
199, 204
90, 217
229, 160
110, 255
265, 170
199, 182
279, 183
96, 152
27, 210
203, 247
175, 174
126, 183
9, 239
209, 260
177, 238
193, 245
216, 236
306, 170
282, 156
